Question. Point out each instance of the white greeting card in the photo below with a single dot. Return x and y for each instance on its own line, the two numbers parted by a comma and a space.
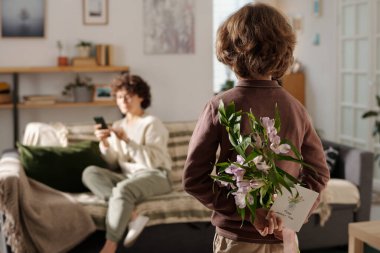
292, 208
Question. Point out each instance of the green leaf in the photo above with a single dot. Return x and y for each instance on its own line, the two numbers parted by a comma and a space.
251, 156
277, 120
376, 128
284, 183
293, 148
241, 212
252, 207
370, 114
230, 110
263, 192
283, 172
223, 164
292, 159
223, 178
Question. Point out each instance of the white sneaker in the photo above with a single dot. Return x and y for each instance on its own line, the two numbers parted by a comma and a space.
134, 229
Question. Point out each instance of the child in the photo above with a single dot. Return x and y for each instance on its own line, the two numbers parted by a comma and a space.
257, 43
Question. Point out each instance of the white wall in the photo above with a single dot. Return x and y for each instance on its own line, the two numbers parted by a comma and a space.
181, 84
320, 61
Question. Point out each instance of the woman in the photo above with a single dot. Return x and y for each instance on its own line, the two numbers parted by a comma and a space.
137, 145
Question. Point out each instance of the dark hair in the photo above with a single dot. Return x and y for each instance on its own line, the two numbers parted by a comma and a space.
256, 40
135, 85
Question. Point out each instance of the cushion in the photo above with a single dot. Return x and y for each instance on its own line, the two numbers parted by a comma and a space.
332, 159
60, 167
179, 137
174, 207
340, 191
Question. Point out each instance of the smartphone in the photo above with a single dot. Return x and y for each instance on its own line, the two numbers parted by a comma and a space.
100, 120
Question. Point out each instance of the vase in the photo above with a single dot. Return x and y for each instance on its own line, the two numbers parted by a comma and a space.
84, 51
83, 93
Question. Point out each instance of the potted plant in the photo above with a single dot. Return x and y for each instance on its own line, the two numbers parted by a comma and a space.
62, 58
84, 48
81, 89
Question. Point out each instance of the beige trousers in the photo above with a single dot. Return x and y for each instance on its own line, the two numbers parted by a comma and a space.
224, 245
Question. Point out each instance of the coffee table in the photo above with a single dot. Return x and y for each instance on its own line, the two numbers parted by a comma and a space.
363, 232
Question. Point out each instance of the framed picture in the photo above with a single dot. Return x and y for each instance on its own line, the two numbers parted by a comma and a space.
169, 26
103, 92
95, 12
23, 18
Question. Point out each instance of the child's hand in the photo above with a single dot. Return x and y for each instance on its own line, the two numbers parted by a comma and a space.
267, 223
120, 134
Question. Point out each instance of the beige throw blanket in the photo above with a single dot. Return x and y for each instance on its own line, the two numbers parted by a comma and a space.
37, 217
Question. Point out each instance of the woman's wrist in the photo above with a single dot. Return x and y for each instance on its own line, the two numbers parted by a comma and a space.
105, 143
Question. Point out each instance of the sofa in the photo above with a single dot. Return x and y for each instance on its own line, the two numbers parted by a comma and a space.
354, 167
179, 223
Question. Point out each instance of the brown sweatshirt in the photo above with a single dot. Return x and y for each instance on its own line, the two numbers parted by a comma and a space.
260, 96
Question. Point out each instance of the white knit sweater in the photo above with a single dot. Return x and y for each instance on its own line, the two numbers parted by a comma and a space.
146, 149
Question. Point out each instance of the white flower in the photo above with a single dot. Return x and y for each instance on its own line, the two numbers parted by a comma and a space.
255, 184
261, 164
283, 148
240, 199
240, 159
258, 141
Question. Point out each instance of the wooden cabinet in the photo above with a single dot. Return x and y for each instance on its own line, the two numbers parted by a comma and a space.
16, 71
294, 83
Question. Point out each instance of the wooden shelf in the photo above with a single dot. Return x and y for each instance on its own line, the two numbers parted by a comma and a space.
5, 106
59, 105
56, 69
17, 71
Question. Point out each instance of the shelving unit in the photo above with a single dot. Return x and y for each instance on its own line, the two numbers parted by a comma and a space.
16, 71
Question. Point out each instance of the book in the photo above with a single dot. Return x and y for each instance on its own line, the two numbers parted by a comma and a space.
109, 55
104, 54
84, 61
39, 97
39, 102
101, 54
294, 208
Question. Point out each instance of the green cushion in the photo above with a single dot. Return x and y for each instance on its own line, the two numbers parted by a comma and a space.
60, 167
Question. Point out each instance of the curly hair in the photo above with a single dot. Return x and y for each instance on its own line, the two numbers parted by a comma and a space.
135, 85
256, 40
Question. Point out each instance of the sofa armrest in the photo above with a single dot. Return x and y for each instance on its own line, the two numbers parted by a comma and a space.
356, 166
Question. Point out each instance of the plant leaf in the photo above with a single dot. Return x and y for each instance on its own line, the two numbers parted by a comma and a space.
277, 120
370, 114
378, 100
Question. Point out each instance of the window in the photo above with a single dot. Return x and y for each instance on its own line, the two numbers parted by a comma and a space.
221, 10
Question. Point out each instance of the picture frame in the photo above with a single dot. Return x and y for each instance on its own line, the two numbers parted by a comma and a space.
95, 12
103, 92
22, 18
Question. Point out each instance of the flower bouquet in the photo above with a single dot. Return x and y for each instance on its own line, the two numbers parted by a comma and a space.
254, 178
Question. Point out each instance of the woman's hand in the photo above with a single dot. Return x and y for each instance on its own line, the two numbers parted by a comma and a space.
102, 134
268, 223
120, 134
